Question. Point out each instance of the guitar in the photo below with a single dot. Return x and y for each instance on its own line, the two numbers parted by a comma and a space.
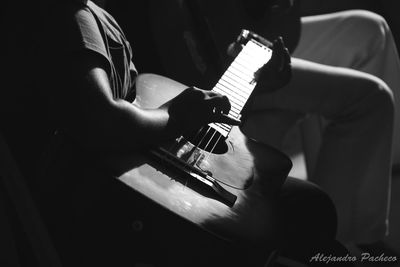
226, 187
249, 218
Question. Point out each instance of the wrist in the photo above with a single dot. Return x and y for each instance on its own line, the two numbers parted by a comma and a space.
173, 126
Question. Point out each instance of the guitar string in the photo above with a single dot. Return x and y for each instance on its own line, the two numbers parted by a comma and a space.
213, 148
209, 141
204, 136
196, 146
215, 145
197, 134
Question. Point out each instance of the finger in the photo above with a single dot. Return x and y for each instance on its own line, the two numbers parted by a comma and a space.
281, 56
287, 56
288, 62
284, 59
280, 53
276, 58
286, 68
220, 103
278, 43
194, 94
211, 94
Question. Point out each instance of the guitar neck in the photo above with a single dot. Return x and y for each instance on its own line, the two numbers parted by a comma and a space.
238, 81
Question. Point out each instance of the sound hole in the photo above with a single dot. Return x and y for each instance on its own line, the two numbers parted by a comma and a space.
208, 139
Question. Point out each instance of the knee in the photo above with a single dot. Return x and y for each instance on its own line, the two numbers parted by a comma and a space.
379, 98
369, 99
374, 27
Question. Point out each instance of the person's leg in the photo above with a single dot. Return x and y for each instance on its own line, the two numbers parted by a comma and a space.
356, 39
355, 158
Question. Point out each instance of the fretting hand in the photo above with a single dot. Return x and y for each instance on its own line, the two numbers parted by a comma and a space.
276, 73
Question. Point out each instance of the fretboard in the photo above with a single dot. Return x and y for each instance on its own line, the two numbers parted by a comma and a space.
238, 81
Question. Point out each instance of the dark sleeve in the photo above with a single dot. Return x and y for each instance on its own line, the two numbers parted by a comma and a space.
71, 32
79, 33
72, 36
90, 33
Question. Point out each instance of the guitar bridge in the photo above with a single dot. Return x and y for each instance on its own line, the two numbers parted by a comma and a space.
195, 173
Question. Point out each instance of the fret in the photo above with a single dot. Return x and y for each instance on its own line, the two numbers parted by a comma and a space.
236, 103
231, 87
246, 60
255, 48
248, 66
245, 89
222, 131
238, 88
257, 59
226, 127
242, 66
237, 110
242, 80
252, 58
246, 71
247, 63
246, 74
235, 97
232, 97
233, 114
236, 106
245, 80
249, 56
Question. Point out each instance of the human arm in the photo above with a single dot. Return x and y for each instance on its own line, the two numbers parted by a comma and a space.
89, 113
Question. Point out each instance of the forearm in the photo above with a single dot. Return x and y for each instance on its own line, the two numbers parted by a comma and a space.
128, 127
99, 121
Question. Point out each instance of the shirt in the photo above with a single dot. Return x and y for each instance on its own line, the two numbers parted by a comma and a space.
116, 49
92, 28
40, 45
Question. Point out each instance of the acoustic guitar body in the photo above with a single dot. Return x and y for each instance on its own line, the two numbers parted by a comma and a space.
254, 172
152, 208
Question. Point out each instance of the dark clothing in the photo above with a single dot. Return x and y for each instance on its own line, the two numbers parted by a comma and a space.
57, 33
